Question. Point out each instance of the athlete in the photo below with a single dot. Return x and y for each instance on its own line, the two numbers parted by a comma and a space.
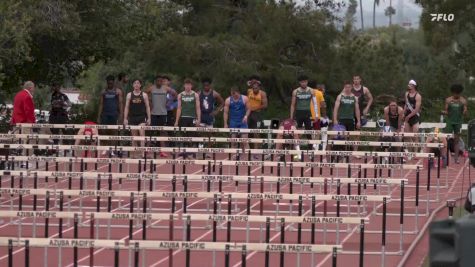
328, 102
188, 113
158, 106
60, 106
455, 109
412, 108
394, 115
110, 104
318, 108
211, 103
347, 109
236, 112
137, 110
363, 94
301, 103
91, 133
257, 102
172, 101
437, 151
121, 84
287, 125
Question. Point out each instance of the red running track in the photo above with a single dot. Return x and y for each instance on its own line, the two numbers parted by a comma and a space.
348, 236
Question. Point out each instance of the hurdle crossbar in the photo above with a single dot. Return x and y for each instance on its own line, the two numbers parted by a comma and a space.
229, 130
198, 177
167, 245
179, 217
278, 219
218, 150
170, 195
216, 140
220, 162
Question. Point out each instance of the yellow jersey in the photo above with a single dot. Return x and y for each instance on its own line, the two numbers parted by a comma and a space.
316, 103
255, 100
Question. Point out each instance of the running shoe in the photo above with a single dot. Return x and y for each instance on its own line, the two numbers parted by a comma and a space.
163, 155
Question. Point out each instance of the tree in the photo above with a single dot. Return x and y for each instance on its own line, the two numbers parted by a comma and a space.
350, 15
389, 12
361, 14
14, 39
455, 38
375, 3
48, 40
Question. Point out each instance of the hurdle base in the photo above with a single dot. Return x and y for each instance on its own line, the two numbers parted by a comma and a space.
391, 253
405, 214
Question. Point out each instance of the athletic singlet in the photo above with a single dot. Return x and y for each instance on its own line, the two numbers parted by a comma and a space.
303, 98
347, 107
137, 105
237, 109
455, 112
110, 102
360, 95
188, 105
207, 102
255, 100
410, 104
393, 118
159, 101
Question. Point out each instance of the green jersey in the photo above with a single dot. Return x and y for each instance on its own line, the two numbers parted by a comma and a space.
188, 105
347, 107
455, 112
303, 98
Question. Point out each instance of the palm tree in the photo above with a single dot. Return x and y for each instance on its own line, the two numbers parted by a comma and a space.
390, 11
375, 3
361, 13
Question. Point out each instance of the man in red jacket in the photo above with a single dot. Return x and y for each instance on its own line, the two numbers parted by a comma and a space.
23, 105
24, 109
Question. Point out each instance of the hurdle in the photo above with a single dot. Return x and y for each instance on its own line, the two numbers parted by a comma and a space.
229, 130
221, 150
109, 161
29, 137
205, 162
204, 177
287, 179
137, 246
170, 195
148, 216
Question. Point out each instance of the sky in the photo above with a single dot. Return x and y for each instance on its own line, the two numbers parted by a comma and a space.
406, 11
411, 12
